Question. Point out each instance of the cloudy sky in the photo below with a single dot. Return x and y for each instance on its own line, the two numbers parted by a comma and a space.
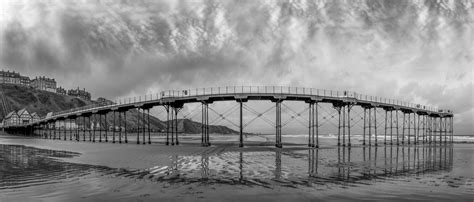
417, 51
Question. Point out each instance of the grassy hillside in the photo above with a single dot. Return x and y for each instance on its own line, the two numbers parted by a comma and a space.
17, 97
42, 102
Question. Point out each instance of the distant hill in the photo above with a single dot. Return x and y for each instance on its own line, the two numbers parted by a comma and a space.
16, 97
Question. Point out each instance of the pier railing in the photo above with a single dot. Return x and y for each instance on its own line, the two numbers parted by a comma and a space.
290, 91
229, 90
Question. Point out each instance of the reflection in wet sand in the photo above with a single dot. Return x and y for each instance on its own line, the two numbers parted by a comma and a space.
23, 166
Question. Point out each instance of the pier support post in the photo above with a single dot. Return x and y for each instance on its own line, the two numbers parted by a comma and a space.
70, 129
241, 122
391, 126
167, 108
77, 128
433, 129
415, 128
120, 126
49, 131
428, 128
452, 129
208, 131
149, 129
370, 126
204, 125
278, 124
363, 134
106, 125
125, 125
344, 125
316, 125
84, 128
423, 137
310, 124
54, 130
385, 134
409, 127
113, 129
445, 130
90, 128
375, 126
398, 126
144, 126
138, 125
172, 124
338, 108
349, 107
176, 110
94, 126
100, 127
440, 130
403, 128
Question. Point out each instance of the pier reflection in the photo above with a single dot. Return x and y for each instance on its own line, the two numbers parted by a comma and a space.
27, 166
381, 162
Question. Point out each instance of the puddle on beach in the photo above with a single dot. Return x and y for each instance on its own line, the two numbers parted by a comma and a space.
23, 167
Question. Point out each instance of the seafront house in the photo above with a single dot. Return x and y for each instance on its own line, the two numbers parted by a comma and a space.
12, 118
35, 117
25, 116
20, 117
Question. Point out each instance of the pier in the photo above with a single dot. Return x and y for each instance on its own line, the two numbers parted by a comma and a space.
420, 124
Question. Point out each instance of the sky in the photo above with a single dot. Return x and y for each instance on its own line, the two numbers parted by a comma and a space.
416, 51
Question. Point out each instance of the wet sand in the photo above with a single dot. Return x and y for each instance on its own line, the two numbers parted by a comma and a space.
52, 170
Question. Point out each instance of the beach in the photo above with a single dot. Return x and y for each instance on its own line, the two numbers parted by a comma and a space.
36, 169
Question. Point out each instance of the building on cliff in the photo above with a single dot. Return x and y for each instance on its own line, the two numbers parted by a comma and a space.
60, 90
44, 83
10, 77
79, 93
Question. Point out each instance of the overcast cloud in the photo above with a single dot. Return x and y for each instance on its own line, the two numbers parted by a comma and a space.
417, 51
